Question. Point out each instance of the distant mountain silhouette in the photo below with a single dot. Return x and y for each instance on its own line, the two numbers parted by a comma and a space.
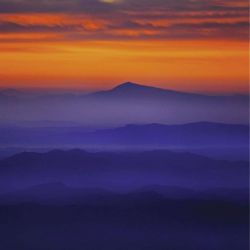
123, 198
138, 92
118, 171
127, 89
140, 103
135, 90
192, 134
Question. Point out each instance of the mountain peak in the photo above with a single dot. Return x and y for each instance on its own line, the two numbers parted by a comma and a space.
136, 91
128, 85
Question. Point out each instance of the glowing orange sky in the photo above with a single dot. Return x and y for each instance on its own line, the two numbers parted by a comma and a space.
201, 50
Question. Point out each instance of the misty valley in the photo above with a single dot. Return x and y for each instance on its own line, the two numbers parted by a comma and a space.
131, 168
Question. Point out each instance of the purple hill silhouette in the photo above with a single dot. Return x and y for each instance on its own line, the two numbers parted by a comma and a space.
141, 104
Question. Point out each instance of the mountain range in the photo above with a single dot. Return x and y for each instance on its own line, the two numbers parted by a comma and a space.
125, 90
199, 134
141, 104
155, 173
121, 170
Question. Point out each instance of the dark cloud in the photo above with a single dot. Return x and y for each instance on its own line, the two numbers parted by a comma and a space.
95, 6
10, 27
136, 15
79, 6
237, 30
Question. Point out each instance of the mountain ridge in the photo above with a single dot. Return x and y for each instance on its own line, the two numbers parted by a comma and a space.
131, 89
140, 103
122, 170
122, 86
189, 134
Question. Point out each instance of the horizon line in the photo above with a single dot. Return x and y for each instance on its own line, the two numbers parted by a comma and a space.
87, 90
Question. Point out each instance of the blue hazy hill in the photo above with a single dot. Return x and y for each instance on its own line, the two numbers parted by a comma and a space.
192, 134
121, 170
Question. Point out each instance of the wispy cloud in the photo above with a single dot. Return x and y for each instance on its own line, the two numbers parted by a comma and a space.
128, 19
192, 44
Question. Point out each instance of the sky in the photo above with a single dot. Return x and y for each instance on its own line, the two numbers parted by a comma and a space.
191, 45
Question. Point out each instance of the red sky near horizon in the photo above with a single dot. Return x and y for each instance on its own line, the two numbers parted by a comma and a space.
192, 45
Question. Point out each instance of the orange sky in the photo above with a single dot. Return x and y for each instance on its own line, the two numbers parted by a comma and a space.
200, 50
